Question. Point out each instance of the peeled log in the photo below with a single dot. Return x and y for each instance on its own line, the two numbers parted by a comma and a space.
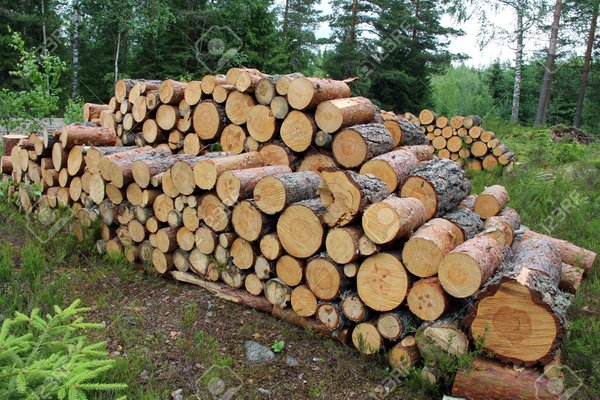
275, 192
520, 311
359, 143
382, 281
465, 269
392, 218
346, 194
569, 253
83, 134
305, 93
441, 185
488, 379
426, 248
236, 185
393, 167
300, 228
335, 114
491, 201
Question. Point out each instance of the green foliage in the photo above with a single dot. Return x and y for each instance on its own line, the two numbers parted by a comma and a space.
73, 111
278, 346
7, 264
51, 356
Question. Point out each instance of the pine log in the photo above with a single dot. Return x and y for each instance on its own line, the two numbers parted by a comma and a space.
300, 228
206, 172
280, 107
393, 167
209, 82
264, 90
382, 281
303, 301
283, 82
84, 134
346, 194
427, 117
232, 139
357, 144
366, 339
397, 324
298, 130
472, 120
121, 167
214, 213
508, 222
277, 292
221, 92
306, 93
342, 243
171, 92
249, 222
521, 311
491, 201
325, 278
253, 285
238, 106
270, 246
262, 124
263, 268
275, 192
442, 338
467, 221
144, 170
167, 116
331, 316
405, 133
440, 185
353, 307
405, 355
333, 115
277, 153
290, 270
427, 299
237, 185
209, 120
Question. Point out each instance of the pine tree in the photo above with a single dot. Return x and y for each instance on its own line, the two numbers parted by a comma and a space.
300, 20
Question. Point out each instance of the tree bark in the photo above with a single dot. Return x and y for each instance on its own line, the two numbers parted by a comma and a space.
586, 66
519, 32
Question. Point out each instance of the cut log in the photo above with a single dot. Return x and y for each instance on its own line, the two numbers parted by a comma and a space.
521, 312
393, 167
249, 222
427, 299
222, 92
290, 270
366, 339
238, 106
346, 194
233, 277
330, 315
232, 139
242, 253
405, 133
171, 92
192, 93
491, 201
277, 292
153, 100
270, 246
144, 170
283, 82
280, 107
84, 134
167, 116
479, 148
205, 240
488, 379
300, 228
353, 307
306, 93
120, 170
209, 120
405, 355
569, 253
426, 248
570, 278
314, 162
206, 172
92, 111
214, 213
333, 115
298, 130
262, 124
264, 91
465, 269
472, 120
427, 117
357, 144
237, 185
469, 222
209, 82
382, 282
162, 262
303, 301
508, 222
392, 218
263, 268
440, 185
442, 338
151, 132
254, 285
395, 325
274, 193
325, 278
342, 243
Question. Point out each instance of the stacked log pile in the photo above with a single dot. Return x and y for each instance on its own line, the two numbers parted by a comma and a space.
462, 139
286, 194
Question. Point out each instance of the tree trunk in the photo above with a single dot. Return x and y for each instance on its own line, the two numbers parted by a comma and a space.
545, 92
75, 51
117, 52
586, 66
333, 115
519, 31
427, 299
307, 93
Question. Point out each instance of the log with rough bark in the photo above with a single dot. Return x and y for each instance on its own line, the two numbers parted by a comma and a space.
392, 218
359, 143
467, 268
393, 167
120, 168
520, 311
467, 221
424, 251
277, 292
472, 120
92, 111
333, 115
300, 228
275, 192
144, 170
206, 172
382, 281
346, 194
233, 186
442, 338
489, 379
427, 299
405, 355
306, 93
298, 130
569, 253
491, 201
441, 185
331, 316
507, 222
86, 134
283, 82
405, 133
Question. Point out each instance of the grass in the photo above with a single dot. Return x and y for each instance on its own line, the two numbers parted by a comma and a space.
160, 347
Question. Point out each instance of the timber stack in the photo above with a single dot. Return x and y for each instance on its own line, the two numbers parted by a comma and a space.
287, 194
462, 139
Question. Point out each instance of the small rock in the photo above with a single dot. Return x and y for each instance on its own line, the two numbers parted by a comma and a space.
256, 353
209, 314
291, 361
177, 394
264, 392
316, 359
144, 375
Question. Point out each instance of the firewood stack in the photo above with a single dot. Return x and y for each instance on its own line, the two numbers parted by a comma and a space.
461, 139
285, 194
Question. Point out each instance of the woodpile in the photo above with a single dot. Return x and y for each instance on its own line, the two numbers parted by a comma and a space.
461, 139
324, 211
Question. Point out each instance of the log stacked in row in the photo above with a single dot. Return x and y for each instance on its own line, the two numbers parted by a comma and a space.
318, 204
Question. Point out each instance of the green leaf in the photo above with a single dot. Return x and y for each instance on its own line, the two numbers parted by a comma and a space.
278, 346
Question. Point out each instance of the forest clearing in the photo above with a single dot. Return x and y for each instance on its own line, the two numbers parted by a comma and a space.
274, 222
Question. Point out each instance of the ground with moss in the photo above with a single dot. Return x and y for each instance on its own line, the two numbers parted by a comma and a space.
166, 335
